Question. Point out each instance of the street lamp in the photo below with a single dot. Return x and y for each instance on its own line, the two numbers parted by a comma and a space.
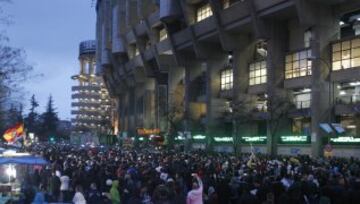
11, 172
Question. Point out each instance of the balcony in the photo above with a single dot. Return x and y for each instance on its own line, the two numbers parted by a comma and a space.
301, 105
257, 89
347, 105
95, 96
87, 112
86, 88
86, 120
226, 93
88, 103
301, 109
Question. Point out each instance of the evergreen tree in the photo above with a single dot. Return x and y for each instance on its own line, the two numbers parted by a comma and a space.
32, 120
49, 120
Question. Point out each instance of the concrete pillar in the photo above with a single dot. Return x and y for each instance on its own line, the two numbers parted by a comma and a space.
91, 67
121, 112
98, 40
162, 104
214, 105
326, 30
176, 90
241, 60
131, 13
131, 112
193, 69
122, 16
82, 66
139, 105
357, 123
144, 8
149, 103
278, 122
125, 110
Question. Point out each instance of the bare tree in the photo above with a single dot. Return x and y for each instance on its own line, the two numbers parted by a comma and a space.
13, 69
278, 110
241, 112
175, 116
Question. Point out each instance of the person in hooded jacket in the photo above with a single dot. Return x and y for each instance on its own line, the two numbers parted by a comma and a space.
79, 196
195, 196
114, 193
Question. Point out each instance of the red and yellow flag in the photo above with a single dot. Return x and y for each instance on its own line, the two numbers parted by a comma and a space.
14, 133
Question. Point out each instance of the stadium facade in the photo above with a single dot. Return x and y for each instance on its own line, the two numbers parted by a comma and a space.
279, 76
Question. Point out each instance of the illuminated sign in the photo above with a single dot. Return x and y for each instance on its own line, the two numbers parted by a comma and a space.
199, 137
345, 140
254, 139
295, 139
223, 139
179, 138
144, 131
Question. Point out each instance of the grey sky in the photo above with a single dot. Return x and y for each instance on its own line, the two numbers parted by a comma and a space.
50, 32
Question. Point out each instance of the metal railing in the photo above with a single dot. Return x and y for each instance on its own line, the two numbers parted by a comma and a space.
303, 104
347, 100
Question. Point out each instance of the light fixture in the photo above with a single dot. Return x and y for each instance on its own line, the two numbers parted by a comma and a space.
357, 83
351, 126
341, 23
307, 90
180, 138
341, 93
11, 171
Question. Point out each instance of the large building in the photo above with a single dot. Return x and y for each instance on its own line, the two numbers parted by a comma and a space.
91, 106
272, 75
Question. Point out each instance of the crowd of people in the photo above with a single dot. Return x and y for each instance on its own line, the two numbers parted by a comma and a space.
96, 175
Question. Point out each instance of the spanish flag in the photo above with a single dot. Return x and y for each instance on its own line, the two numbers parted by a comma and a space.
14, 133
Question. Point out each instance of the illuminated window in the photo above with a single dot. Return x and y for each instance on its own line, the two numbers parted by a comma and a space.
258, 73
226, 79
302, 98
346, 54
307, 38
261, 103
137, 52
298, 64
162, 34
203, 12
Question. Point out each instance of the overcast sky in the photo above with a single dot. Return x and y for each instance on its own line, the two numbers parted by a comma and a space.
50, 32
